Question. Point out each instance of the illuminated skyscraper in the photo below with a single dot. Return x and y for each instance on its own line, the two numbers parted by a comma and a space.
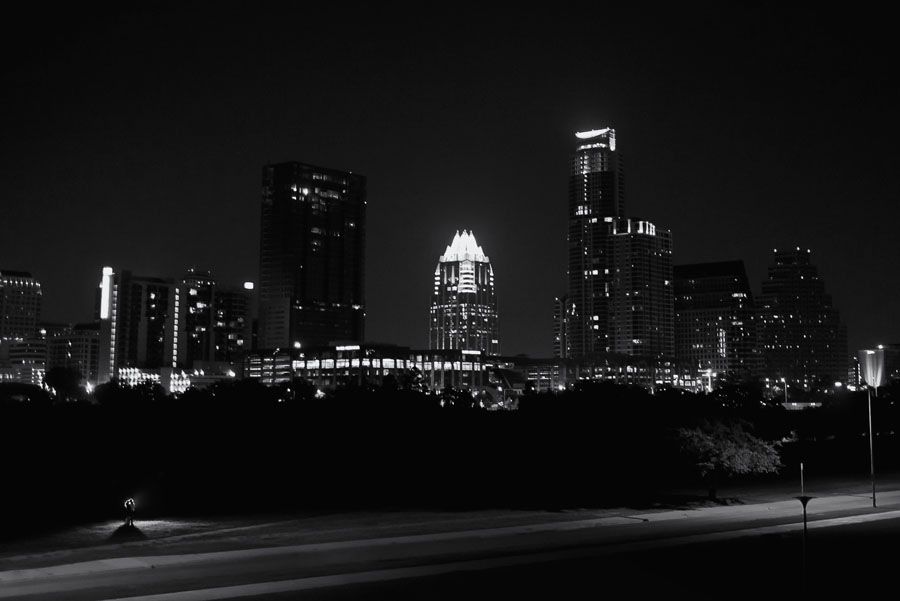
464, 303
596, 190
801, 334
620, 269
311, 269
141, 323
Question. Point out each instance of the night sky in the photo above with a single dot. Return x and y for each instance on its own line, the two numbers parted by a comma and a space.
136, 139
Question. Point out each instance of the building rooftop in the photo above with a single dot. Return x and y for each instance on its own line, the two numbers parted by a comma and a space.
15, 274
464, 248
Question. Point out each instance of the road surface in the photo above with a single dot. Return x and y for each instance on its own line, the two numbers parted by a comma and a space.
707, 552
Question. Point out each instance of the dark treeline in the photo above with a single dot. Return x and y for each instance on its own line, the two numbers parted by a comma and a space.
242, 447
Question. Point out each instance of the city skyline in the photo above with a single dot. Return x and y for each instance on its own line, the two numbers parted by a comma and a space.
136, 141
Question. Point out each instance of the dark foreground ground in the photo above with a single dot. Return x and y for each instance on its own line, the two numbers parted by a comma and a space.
748, 545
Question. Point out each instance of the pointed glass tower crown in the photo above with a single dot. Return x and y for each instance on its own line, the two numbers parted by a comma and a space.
464, 304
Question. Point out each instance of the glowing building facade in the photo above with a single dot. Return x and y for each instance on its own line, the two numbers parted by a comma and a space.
801, 334
311, 272
141, 323
464, 303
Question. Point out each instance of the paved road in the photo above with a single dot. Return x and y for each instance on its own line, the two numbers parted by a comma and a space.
613, 549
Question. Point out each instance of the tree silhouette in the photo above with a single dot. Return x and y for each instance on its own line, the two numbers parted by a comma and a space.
720, 450
65, 381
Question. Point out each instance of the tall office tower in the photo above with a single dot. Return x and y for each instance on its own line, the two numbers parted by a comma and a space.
464, 303
715, 319
20, 305
639, 292
77, 347
311, 268
801, 334
232, 323
140, 323
199, 288
26, 357
562, 311
217, 321
596, 192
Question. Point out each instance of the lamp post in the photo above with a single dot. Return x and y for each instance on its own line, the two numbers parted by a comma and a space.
803, 501
784, 385
871, 363
871, 446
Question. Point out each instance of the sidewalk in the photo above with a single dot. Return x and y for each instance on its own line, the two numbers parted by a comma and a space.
405, 534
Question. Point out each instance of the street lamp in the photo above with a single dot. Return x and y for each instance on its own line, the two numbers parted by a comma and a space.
871, 444
871, 364
804, 500
784, 385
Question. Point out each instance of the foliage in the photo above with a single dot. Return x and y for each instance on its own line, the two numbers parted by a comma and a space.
65, 381
727, 449
13, 393
115, 393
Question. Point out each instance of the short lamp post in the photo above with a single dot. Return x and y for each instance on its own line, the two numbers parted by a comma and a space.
804, 499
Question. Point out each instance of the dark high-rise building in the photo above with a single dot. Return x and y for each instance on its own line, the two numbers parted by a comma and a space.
232, 326
20, 305
311, 271
562, 311
464, 303
76, 347
596, 191
218, 320
639, 291
199, 288
801, 334
715, 320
